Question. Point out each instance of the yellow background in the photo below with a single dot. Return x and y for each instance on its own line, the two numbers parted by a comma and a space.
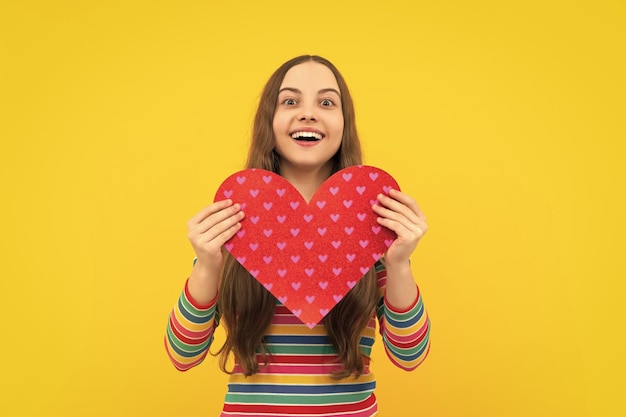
505, 121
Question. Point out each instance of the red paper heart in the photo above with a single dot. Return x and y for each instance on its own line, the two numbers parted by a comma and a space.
308, 255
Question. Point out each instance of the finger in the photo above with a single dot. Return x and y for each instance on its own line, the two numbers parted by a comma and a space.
400, 215
418, 225
226, 235
214, 240
398, 207
408, 201
393, 225
209, 210
220, 222
423, 226
216, 218
409, 233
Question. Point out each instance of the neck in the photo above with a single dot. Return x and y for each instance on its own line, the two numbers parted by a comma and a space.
306, 180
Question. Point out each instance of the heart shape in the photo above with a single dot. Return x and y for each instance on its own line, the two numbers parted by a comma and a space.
308, 255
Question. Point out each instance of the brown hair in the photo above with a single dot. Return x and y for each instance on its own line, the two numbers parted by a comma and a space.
244, 305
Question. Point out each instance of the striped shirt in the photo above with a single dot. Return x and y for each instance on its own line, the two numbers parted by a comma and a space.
296, 381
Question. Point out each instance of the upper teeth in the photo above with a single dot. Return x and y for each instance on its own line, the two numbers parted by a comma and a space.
297, 135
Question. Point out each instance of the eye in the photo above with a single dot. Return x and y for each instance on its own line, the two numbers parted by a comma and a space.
289, 101
327, 102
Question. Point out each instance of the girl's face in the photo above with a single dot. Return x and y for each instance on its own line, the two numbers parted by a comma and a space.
308, 122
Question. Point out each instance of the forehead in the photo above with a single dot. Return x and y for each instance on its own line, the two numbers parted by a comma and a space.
311, 75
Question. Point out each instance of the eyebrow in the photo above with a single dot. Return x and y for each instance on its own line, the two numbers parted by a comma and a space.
323, 90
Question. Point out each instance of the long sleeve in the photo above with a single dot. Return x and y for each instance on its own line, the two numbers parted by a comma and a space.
190, 331
406, 333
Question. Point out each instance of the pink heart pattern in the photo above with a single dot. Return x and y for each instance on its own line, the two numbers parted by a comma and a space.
308, 255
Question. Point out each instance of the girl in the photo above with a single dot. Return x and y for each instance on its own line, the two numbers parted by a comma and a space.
304, 130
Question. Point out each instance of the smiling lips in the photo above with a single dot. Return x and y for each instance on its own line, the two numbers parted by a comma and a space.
307, 136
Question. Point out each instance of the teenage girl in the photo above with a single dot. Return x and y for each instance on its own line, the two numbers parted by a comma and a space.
304, 130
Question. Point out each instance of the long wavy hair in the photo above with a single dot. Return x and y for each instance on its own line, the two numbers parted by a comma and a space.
244, 306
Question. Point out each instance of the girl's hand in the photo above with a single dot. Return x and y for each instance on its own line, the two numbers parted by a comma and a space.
208, 230
400, 213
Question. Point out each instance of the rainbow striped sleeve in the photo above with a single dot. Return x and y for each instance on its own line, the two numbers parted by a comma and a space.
190, 331
406, 333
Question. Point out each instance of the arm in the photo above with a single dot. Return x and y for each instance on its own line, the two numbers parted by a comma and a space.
190, 331
405, 332
404, 323
193, 320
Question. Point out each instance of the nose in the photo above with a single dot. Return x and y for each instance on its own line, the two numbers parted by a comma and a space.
307, 115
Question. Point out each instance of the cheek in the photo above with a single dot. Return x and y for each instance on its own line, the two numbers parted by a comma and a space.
278, 129
279, 124
275, 124
339, 125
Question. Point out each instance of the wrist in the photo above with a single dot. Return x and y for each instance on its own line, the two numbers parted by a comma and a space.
203, 269
203, 283
398, 267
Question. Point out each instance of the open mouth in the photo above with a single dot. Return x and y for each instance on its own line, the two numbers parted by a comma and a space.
307, 136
